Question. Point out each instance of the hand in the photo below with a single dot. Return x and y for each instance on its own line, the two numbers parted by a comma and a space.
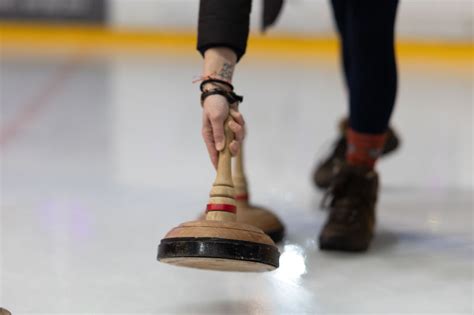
215, 112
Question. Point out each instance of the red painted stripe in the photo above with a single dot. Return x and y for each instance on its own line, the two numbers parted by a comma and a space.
31, 108
221, 207
243, 197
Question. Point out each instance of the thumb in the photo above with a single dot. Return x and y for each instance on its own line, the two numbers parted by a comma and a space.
218, 133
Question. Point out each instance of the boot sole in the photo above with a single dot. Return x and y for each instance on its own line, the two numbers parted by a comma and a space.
338, 244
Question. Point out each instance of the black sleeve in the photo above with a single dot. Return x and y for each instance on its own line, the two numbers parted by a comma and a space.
224, 23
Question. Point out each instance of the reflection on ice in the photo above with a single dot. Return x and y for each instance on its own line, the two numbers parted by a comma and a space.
292, 264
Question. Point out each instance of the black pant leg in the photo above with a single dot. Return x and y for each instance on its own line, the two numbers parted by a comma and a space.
339, 10
370, 42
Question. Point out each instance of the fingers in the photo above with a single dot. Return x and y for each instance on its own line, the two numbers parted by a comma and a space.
237, 125
234, 147
209, 141
237, 129
237, 117
215, 112
217, 125
239, 134
214, 116
208, 133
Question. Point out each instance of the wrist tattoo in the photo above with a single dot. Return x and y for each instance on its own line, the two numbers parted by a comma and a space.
226, 71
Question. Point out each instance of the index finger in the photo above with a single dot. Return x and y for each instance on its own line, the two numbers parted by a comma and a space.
237, 117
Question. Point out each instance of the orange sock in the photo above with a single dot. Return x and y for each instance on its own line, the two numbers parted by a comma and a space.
364, 148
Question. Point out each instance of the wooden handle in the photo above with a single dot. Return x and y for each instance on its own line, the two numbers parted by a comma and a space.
238, 176
222, 205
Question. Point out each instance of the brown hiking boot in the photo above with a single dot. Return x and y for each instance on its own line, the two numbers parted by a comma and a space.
351, 221
325, 171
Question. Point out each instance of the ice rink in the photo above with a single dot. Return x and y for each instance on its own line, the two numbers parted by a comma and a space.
102, 155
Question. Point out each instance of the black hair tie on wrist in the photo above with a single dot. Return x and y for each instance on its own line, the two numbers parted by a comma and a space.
212, 80
231, 97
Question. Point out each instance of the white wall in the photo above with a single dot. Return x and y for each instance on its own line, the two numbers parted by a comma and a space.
417, 19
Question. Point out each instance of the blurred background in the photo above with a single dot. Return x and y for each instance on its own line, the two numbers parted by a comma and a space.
101, 155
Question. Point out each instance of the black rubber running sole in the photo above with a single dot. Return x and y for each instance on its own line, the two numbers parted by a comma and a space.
209, 247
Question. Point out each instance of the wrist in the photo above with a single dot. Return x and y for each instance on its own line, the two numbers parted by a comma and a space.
219, 63
215, 85
232, 98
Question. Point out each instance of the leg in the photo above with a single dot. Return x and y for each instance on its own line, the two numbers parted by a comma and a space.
366, 34
370, 41
369, 37
339, 10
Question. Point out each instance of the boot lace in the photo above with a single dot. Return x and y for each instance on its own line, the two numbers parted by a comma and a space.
345, 197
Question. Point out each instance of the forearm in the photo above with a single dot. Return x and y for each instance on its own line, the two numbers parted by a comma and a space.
219, 63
